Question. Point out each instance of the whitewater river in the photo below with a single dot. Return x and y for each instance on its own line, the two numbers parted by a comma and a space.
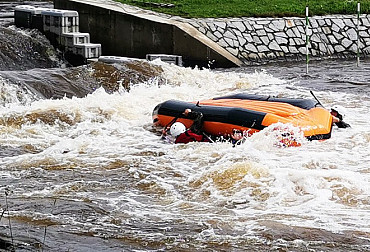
83, 169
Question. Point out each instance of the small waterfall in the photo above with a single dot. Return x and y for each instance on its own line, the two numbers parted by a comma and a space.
25, 49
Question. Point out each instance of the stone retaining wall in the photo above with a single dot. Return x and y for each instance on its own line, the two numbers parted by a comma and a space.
268, 39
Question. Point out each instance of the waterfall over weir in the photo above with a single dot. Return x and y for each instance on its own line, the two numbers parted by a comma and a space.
61, 27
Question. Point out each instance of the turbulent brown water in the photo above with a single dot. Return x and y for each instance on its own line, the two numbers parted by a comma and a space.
82, 168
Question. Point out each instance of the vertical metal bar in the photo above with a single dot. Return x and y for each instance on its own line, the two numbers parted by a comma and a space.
358, 33
307, 40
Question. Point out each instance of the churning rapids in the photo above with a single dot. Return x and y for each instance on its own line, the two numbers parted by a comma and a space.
83, 169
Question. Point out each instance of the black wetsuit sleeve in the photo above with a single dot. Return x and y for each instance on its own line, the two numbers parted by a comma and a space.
197, 126
342, 124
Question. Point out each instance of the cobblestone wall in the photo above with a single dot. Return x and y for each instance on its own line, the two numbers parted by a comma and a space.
265, 39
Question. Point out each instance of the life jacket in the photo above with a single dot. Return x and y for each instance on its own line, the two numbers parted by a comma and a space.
189, 136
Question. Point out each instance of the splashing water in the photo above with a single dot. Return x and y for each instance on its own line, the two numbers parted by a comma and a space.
96, 167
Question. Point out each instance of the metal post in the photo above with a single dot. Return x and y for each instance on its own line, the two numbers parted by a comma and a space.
307, 40
358, 33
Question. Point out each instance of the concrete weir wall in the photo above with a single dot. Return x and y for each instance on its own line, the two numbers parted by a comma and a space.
226, 42
124, 31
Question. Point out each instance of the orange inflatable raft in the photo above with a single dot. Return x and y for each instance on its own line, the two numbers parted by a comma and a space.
249, 113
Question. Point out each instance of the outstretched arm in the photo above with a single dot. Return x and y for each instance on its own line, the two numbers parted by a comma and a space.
197, 126
340, 123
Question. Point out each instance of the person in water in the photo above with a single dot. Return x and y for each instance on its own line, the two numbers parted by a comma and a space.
194, 133
338, 114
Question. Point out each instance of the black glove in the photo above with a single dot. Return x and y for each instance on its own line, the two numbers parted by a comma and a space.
342, 124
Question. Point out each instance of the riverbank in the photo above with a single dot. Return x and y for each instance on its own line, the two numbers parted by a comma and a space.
124, 30
261, 40
249, 8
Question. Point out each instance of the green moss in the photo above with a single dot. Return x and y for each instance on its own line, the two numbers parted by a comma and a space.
251, 8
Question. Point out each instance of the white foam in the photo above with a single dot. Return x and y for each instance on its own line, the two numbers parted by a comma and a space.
320, 184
